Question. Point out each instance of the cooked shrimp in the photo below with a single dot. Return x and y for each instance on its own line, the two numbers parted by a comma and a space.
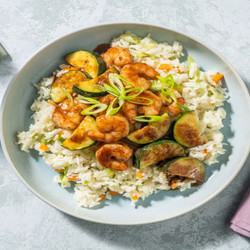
131, 110
107, 99
68, 116
140, 74
173, 109
117, 56
114, 156
110, 128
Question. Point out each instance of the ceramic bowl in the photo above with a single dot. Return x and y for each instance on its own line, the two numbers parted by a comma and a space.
37, 176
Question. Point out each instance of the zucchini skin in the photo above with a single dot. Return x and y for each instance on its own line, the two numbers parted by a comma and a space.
186, 130
157, 151
82, 92
89, 62
152, 132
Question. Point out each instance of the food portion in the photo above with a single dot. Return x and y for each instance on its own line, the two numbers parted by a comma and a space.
90, 63
127, 119
184, 169
156, 152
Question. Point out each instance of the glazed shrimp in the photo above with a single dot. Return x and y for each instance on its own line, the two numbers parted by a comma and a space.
114, 156
110, 128
68, 116
117, 56
173, 109
131, 110
140, 74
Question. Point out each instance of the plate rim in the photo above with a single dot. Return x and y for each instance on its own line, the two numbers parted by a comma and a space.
43, 198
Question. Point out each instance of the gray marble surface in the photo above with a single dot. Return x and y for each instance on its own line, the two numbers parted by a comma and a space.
28, 223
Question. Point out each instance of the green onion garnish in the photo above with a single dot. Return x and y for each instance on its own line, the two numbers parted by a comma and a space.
150, 101
183, 108
130, 38
68, 95
94, 109
190, 61
111, 90
87, 100
111, 110
61, 139
116, 83
110, 172
125, 80
148, 118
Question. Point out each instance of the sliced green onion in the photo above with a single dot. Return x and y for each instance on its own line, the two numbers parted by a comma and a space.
215, 93
68, 95
86, 182
111, 110
153, 57
184, 108
148, 118
46, 141
137, 89
130, 38
190, 61
125, 80
150, 101
87, 100
166, 98
139, 54
116, 83
110, 172
111, 90
64, 180
155, 86
94, 109
33, 137
173, 96
61, 139
178, 87
67, 168
63, 176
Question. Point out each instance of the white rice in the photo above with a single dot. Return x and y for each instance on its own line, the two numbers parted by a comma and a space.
94, 181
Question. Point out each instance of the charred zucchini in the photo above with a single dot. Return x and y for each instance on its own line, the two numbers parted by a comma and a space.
90, 88
152, 132
90, 63
184, 169
65, 82
79, 140
186, 131
157, 151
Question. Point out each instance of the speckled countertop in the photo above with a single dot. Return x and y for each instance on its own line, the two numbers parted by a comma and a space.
28, 223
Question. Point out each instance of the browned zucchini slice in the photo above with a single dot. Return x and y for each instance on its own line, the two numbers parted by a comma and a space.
157, 151
65, 82
186, 131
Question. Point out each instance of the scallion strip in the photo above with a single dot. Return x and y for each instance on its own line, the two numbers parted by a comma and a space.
87, 100
116, 83
94, 109
111, 90
111, 110
184, 108
150, 101
68, 95
125, 80
148, 118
